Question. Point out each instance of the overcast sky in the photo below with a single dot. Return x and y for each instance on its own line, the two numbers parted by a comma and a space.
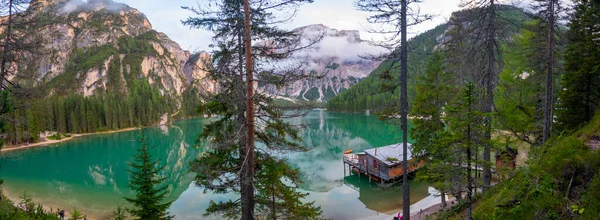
166, 16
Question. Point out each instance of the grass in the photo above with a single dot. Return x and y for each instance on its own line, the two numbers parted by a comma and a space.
55, 136
9, 211
561, 180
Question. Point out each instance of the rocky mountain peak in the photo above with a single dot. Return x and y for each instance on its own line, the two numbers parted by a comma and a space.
352, 36
337, 57
92, 45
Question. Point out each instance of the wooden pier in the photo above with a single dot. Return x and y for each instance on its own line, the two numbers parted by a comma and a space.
382, 164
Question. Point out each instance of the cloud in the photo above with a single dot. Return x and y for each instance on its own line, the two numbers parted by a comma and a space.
345, 44
88, 5
72, 6
340, 47
166, 16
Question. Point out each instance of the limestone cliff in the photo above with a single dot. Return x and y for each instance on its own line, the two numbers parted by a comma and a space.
336, 59
98, 46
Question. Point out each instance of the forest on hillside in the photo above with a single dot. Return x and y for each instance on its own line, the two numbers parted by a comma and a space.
493, 79
129, 100
372, 90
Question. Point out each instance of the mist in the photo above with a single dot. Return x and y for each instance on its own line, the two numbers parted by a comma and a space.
91, 5
347, 47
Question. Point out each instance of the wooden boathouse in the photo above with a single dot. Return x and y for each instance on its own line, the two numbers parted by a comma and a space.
382, 164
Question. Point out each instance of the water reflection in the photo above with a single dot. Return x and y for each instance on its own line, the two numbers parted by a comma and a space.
90, 172
384, 200
328, 135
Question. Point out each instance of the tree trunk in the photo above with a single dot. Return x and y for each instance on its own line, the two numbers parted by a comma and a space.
241, 95
6, 47
248, 176
404, 110
443, 195
273, 202
489, 101
469, 177
549, 101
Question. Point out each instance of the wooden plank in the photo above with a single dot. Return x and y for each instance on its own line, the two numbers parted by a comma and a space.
397, 171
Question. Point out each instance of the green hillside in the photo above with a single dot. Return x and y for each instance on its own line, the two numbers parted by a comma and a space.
95, 69
369, 92
561, 181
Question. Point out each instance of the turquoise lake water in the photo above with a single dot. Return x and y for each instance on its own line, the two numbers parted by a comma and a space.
90, 172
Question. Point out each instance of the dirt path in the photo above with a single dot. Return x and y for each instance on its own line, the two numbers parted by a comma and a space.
46, 142
594, 142
422, 214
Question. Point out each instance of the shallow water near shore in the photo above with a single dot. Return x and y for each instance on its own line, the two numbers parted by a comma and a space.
90, 172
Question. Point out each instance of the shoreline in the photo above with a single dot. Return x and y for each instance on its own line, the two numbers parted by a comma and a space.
433, 209
47, 207
46, 142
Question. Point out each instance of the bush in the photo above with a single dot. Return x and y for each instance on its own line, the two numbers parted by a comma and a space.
119, 213
76, 215
557, 184
590, 202
55, 136
9, 211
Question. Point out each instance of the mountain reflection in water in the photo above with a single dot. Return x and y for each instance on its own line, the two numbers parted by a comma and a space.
90, 172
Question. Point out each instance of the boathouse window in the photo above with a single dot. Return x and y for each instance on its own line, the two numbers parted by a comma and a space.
375, 164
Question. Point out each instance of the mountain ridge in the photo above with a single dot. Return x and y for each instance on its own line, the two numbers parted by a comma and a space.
73, 30
366, 94
98, 66
336, 59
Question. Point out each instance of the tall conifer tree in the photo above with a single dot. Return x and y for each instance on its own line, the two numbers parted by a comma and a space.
396, 13
232, 164
149, 201
434, 90
580, 95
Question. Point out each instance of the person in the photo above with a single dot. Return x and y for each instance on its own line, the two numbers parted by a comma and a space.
62, 214
400, 216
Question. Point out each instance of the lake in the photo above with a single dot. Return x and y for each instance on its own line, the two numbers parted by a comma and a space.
90, 172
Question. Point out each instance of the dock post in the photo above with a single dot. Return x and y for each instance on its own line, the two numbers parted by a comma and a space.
368, 175
344, 167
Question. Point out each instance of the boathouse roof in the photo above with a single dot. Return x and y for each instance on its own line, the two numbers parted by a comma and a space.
393, 151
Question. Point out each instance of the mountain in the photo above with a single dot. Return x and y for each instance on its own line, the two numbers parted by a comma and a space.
366, 94
98, 65
99, 45
336, 59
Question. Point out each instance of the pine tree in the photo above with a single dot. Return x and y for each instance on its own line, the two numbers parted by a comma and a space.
5, 107
464, 120
580, 95
549, 12
232, 164
76, 215
282, 201
486, 23
119, 213
14, 38
433, 92
148, 202
520, 100
396, 14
